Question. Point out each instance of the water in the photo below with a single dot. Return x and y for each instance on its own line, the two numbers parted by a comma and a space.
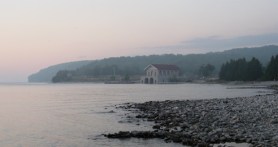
57, 115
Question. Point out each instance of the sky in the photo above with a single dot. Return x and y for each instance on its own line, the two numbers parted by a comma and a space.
35, 34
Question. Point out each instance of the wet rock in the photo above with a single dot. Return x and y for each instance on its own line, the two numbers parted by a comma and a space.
274, 121
121, 134
111, 111
156, 127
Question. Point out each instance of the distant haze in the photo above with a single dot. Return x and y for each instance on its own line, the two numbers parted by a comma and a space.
37, 33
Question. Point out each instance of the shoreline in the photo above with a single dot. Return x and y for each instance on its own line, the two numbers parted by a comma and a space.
252, 120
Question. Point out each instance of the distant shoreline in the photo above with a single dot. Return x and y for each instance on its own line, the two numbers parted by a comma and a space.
250, 83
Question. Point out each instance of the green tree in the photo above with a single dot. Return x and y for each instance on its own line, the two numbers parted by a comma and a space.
223, 71
241, 70
206, 70
127, 78
241, 66
62, 76
271, 72
254, 70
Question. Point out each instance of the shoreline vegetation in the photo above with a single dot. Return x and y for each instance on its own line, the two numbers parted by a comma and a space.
192, 66
233, 70
252, 120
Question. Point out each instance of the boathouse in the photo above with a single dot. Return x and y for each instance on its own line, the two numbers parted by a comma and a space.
160, 74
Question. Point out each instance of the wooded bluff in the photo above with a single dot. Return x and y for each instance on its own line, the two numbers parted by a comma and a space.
134, 66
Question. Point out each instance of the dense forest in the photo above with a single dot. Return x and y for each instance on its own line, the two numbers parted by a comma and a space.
46, 74
271, 72
190, 68
133, 67
241, 70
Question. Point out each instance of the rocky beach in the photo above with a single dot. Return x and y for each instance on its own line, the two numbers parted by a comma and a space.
252, 120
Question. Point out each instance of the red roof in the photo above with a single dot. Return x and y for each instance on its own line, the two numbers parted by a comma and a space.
165, 66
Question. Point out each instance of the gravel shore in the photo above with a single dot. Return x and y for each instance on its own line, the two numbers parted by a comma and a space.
252, 120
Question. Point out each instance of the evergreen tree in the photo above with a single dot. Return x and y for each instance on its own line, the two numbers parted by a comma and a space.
271, 72
62, 76
254, 70
223, 71
241, 70
206, 70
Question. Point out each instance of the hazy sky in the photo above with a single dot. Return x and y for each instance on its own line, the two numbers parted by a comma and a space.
37, 33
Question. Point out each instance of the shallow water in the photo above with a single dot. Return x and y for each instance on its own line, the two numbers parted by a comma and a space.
76, 114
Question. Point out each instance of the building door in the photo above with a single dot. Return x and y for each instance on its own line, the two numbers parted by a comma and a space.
151, 80
146, 81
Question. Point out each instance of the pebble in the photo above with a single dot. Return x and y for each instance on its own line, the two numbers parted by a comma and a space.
206, 122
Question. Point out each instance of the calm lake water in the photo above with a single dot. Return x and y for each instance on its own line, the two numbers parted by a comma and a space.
74, 115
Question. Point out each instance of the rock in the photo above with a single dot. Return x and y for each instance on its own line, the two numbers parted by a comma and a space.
138, 116
111, 111
121, 134
156, 127
275, 138
204, 122
274, 121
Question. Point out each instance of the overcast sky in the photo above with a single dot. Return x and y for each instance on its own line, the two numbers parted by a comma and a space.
37, 33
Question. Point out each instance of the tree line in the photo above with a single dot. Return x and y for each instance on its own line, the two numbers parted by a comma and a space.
233, 70
242, 70
192, 66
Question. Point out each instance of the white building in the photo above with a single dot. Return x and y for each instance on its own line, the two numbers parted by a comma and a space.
160, 73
